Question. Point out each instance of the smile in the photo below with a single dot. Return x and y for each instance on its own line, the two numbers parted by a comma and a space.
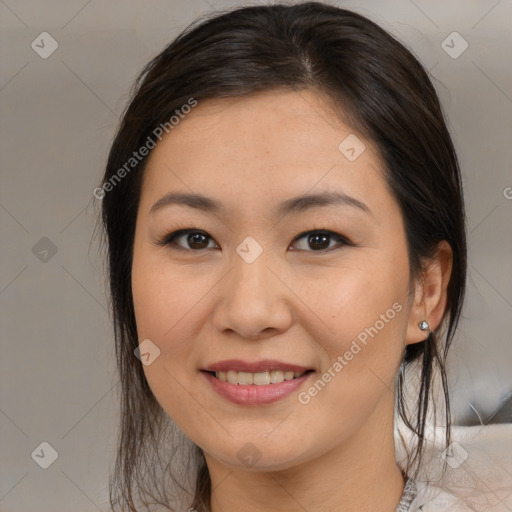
253, 389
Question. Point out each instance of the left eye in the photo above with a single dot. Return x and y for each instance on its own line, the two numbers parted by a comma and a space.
321, 239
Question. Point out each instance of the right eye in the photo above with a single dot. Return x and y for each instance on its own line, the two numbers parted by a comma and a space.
195, 239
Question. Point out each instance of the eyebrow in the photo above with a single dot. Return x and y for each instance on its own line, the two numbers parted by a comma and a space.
294, 204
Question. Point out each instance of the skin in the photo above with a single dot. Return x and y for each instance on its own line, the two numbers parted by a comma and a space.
294, 303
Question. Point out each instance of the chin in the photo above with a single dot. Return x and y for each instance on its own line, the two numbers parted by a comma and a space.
264, 455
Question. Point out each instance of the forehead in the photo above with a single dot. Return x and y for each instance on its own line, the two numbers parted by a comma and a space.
277, 119
271, 141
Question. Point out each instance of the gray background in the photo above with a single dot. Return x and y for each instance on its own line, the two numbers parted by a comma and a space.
58, 117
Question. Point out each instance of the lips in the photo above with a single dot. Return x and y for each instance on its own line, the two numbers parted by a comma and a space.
255, 382
253, 394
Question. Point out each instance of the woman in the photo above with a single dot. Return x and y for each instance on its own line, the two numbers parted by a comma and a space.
285, 229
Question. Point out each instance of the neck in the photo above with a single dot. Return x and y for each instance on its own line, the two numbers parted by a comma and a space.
359, 473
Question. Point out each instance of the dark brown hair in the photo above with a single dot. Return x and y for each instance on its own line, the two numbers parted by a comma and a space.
372, 82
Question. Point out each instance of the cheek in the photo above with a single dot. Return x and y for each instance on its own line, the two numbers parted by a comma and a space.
164, 299
363, 312
165, 304
344, 301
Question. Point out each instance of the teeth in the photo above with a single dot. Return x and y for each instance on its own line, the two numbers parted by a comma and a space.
245, 378
259, 378
276, 376
232, 377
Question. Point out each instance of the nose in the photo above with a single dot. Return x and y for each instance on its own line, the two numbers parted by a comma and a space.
253, 300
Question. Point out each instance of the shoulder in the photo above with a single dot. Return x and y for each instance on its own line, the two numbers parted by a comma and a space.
477, 472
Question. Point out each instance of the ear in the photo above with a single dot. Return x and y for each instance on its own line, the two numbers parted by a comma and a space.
430, 294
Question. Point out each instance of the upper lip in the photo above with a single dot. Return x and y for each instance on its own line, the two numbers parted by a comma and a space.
254, 367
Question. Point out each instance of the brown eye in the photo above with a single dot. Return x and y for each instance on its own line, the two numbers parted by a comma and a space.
197, 240
193, 240
320, 240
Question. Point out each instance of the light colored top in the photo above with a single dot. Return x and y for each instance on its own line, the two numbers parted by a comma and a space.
477, 476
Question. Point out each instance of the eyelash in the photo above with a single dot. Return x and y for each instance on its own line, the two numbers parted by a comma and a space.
169, 239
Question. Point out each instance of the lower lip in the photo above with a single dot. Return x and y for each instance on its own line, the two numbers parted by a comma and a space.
255, 395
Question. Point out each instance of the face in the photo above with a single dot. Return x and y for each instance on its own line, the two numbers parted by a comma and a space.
313, 285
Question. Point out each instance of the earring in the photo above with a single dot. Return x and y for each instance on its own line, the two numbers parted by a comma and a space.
424, 326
